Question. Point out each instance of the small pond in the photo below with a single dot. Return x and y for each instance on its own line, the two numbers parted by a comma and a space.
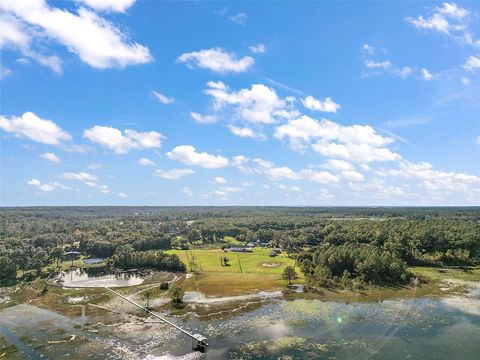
98, 277
93, 261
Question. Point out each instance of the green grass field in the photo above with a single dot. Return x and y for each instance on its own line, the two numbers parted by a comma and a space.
247, 272
257, 262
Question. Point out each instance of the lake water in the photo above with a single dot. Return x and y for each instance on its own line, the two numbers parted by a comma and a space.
97, 277
423, 328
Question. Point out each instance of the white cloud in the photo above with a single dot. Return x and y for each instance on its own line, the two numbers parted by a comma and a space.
259, 104
375, 65
5, 72
427, 75
17, 36
295, 188
174, 174
30, 126
81, 176
109, 5
51, 157
322, 177
368, 49
162, 98
217, 60
377, 68
340, 165
352, 175
328, 105
203, 119
453, 10
403, 72
146, 162
450, 20
46, 187
94, 39
359, 143
244, 132
283, 172
472, 63
121, 143
435, 22
465, 80
240, 18
40, 186
122, 195
478, 140
220, 180
187, 154
88, 179
258, 49
431, 179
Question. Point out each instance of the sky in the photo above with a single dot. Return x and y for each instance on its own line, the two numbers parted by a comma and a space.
124, 102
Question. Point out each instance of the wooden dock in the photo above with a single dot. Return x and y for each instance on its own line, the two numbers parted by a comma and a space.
199, 342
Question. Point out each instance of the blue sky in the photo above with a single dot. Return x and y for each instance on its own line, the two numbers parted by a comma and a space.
124, 102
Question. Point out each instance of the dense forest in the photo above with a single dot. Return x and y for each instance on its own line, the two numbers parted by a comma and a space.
374, 244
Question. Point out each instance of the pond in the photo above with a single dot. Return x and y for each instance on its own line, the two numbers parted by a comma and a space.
97, 277
93, 261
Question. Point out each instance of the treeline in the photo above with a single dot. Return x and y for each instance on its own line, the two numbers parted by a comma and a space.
127, 258
30, 237
352, 266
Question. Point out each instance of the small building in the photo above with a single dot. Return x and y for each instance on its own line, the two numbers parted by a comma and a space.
251, 245
277, 251
247, 250
272, 254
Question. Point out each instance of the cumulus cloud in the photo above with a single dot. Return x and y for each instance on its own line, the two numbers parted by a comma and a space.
432, 179
174, 174
46, 187
328, 105
32, 127
122, 143
259, 104
109, 5
217, 60
122, 195
352, 175
283, 172
40, 186
187, 154
220, 180
51, 157
81, 176
163, 98
96, 41
86, 178
359, 143
449, 20
427, 75
146, 162
472, 63
258, 49
245, 132
203, 119
340, 165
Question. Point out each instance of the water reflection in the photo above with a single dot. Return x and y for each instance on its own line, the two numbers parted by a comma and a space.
98, 277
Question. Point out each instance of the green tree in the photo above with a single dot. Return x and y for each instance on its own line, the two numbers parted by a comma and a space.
176, 295
289, 274
57, 254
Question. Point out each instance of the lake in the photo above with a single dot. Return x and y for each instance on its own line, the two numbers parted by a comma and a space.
424, 328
